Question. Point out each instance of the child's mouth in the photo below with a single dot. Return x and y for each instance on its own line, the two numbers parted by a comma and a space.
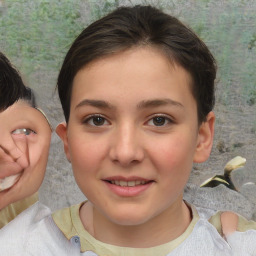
124, 183
128, 188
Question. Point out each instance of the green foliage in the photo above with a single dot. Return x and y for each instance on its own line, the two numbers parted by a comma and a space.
38, 33
252, 42
228, 29
99, 8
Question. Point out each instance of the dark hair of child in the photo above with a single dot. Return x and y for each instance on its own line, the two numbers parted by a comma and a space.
137, 26
12, 87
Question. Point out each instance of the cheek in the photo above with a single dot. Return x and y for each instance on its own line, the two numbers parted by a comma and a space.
173, 156
38, 152
85, 155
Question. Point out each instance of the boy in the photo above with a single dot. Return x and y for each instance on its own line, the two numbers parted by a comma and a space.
137, 91
25, 136
24, 144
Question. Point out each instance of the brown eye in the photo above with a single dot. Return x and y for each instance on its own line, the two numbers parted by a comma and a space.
96, 120
159, 120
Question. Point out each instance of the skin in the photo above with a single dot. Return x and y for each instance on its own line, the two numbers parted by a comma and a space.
23, 152
129, 90
229, 223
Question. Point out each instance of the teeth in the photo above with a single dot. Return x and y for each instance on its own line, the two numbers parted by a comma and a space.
131, 183
8, 182
124, 183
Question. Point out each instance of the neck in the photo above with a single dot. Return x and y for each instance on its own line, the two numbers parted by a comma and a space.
163, 228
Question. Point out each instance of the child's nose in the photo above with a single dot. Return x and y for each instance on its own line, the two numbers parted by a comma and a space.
126, 147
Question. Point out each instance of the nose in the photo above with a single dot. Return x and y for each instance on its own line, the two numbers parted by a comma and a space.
127, 146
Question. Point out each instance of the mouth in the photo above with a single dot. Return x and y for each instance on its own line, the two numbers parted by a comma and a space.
132, 183
128, 187
9, 181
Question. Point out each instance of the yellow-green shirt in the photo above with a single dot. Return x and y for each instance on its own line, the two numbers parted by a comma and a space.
202, 232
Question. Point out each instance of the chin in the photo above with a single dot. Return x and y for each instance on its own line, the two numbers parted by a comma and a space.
128, 218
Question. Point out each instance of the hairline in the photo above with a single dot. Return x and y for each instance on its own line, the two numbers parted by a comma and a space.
164, 51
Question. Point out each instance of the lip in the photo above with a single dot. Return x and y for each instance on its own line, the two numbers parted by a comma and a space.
127, 191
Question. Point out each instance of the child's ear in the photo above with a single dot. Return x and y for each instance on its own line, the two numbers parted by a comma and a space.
205, 139
61, 130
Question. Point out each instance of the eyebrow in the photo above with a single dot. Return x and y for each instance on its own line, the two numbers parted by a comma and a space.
158, 103
143, 104
95, 103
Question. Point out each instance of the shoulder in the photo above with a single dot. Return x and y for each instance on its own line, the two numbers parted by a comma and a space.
15, 235
34, 232
238, 232
228, 222
29, 217
11, 211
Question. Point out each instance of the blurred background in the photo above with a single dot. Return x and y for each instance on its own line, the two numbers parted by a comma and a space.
35, 35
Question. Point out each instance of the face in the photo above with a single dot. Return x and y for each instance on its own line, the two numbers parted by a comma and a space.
24, 145
133, 134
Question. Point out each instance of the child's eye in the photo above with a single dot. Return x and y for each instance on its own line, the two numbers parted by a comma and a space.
25, 131
159, 121
96, 120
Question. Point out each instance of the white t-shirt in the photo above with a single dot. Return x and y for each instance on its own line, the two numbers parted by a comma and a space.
34, 232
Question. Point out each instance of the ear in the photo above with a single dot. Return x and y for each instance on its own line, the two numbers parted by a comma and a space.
205, 139
61, 130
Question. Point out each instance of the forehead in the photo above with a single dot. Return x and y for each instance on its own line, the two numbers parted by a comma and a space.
135, 70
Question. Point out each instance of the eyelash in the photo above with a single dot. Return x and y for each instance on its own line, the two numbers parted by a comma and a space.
25, 131
167, 120
91, 117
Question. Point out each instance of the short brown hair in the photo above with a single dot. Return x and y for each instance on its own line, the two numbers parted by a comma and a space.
128, 27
